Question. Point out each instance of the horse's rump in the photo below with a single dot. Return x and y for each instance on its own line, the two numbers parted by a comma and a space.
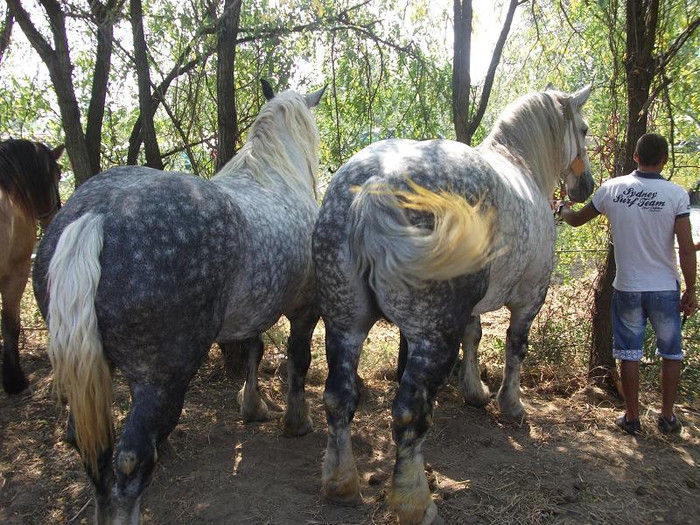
172, 244
396, 252
415, 220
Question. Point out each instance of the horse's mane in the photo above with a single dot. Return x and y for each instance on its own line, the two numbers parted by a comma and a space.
530, 131
265, 155
26, 175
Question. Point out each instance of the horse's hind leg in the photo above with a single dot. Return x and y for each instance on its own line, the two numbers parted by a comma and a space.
427, 368
340, 482
13, 379
154, 413
253, 407
475, 392
297, 420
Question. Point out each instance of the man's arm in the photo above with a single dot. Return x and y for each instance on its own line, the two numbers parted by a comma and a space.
577, 218
686, 254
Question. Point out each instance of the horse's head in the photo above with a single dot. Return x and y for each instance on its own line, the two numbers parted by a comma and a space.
30, 173
576, 170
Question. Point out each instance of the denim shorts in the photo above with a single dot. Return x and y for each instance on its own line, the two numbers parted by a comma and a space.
630, 311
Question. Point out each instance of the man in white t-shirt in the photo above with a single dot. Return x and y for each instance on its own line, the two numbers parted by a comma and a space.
646, 212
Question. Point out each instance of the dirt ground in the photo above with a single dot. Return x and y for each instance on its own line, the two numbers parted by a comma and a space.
565, 463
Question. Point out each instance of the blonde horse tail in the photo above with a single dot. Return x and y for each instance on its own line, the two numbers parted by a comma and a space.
81, 374
396, 253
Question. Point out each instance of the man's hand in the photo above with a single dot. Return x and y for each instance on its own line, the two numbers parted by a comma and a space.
689, 303
557, 206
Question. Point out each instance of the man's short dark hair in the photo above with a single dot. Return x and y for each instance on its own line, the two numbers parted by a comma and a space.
652, 149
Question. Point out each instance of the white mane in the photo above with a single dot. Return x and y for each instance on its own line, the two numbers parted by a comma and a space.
284, 127
530, 132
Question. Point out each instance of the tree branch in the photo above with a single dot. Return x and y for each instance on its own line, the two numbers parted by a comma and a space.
6, 33
677, 44
495, 60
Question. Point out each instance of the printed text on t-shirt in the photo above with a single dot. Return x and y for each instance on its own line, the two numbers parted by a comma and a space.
641, 199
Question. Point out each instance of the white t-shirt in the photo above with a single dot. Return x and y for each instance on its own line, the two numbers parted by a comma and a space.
642, 209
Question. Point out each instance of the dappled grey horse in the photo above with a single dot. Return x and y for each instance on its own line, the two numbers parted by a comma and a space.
142, 270
430, 235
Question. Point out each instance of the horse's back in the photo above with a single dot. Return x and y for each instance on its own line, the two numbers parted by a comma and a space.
171, 243
277, 268
433, 164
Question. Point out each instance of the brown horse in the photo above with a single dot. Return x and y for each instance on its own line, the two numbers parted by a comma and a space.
29, 176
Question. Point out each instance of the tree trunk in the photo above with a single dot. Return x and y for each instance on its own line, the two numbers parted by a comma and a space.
641, 22
58, 63
150, 141
466, 126
601, 365
461, 77
84, 157
227, 121
227, 117
105, 15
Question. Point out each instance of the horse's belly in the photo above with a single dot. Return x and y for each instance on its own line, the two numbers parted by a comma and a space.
244, 325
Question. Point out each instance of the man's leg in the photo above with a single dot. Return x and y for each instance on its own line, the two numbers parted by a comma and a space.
629, 374
629, 322
665, 318
670, 374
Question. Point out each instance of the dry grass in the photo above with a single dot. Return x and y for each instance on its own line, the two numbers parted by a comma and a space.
564, 463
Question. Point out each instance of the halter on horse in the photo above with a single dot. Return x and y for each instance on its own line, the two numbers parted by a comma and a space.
29, 177
430, 235
143, 270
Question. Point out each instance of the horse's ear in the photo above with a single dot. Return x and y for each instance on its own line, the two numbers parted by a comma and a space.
58, 151
549, 87
312, 99
267, 89
581, 96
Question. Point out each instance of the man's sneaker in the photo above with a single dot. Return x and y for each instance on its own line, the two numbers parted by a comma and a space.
669, 427
631, 427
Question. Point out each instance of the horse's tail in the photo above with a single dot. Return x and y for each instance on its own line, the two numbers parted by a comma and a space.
397, 253
82, 375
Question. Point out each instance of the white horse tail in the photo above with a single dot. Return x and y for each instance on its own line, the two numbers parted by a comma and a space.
396, 253
82, 375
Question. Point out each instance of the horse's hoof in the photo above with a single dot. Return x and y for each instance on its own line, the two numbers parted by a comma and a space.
511, 410
476, 398
258, 412
17, 387
256, 415
345, 493
413, 504
431, 516
253, 410
296, 429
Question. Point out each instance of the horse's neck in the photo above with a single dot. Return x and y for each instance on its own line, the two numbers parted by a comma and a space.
298, 160
294, 174
542, 167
